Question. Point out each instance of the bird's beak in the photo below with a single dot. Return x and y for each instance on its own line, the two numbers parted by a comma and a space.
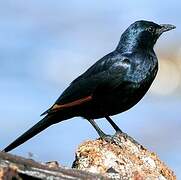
165, 27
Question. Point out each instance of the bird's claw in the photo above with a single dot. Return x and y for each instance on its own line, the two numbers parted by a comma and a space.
107, 138
111, 139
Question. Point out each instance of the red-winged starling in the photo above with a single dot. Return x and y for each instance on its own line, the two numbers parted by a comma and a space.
114, 84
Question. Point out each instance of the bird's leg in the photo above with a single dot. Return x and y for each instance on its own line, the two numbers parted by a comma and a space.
117, 129
99, 131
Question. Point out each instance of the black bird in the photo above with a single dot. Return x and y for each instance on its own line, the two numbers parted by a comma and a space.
112, 85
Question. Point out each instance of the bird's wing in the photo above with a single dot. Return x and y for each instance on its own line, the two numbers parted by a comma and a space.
103, 76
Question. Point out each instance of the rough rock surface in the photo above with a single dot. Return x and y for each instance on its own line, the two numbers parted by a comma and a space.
19, 168
122, 159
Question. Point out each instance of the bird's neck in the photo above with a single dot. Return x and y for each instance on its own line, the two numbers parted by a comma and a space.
131, 43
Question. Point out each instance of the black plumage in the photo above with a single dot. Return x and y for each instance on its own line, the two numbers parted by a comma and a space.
112, 85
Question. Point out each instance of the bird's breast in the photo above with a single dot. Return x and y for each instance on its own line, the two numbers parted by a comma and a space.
132, 90
142, 71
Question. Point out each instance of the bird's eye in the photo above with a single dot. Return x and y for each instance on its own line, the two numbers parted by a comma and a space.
151, 29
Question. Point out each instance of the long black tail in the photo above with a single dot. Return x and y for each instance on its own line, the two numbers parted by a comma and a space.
37, 128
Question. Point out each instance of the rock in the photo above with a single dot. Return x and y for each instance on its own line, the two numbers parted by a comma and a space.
124, 158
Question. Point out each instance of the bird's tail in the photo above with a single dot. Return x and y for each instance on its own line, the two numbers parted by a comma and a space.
37, 128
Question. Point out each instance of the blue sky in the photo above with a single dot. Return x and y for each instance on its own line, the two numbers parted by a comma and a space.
44, 45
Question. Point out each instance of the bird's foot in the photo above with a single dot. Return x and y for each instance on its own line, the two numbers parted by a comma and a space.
119, 134
107, 138
111, 139
116, 138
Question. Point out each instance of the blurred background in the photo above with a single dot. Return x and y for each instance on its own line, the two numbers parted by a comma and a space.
45, 44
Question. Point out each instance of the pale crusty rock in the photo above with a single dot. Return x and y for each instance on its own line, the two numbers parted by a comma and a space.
122, 159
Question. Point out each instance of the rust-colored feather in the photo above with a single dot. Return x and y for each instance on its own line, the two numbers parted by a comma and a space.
71, 104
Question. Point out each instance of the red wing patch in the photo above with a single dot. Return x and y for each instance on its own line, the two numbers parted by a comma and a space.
71, 104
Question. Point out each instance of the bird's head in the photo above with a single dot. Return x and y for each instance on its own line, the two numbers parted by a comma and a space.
142, 34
